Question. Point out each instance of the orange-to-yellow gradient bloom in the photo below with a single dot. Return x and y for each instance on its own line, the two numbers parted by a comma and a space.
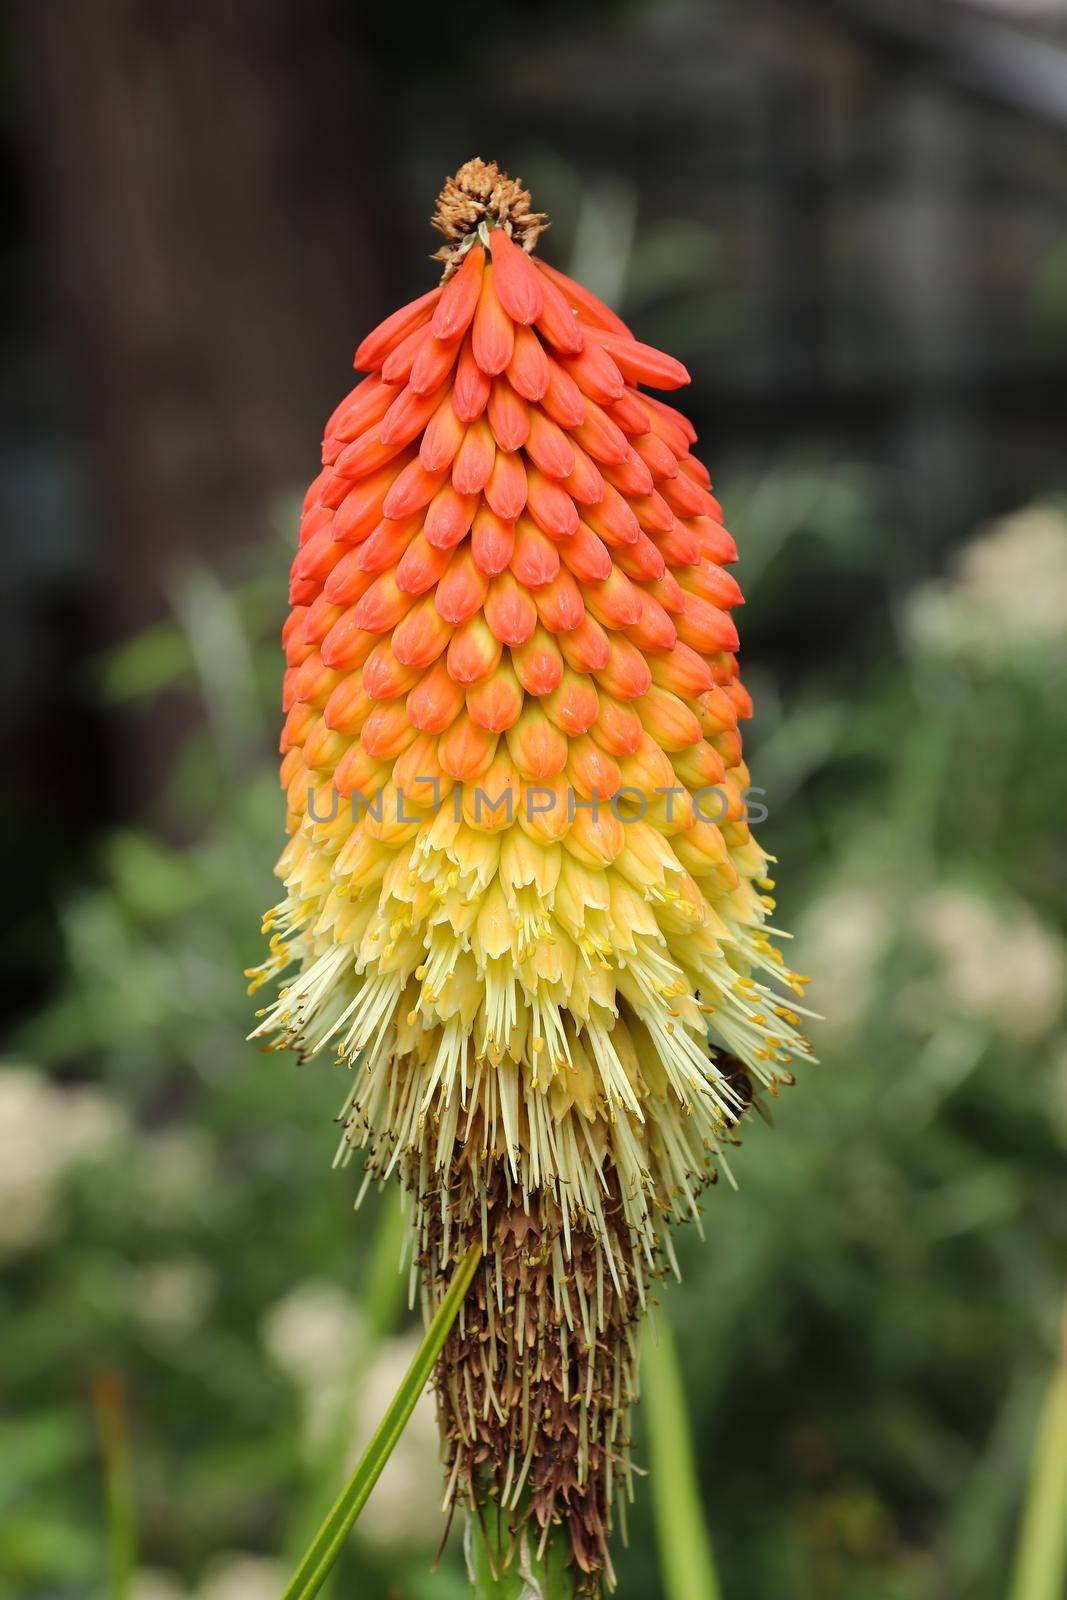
522, 899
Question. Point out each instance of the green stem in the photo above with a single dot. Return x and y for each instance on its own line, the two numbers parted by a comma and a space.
500, 1563
329, 1541
687, 1564
1041, 1557
109, 1404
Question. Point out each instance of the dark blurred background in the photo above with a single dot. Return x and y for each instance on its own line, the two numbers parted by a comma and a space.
849, 218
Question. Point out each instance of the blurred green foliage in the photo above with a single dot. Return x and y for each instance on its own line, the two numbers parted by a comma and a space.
867, 1326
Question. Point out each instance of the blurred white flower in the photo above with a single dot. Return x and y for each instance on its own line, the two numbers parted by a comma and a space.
840, 941
180, 1175
312, 1330
314, 1334
153, 1583
236, 1576
997, 963
317, 1336
172, 1297
405, 1507
45, 1129
1008, 591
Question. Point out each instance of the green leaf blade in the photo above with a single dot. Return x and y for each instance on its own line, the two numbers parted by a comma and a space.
1041, 1559
325, 1548
687, 1563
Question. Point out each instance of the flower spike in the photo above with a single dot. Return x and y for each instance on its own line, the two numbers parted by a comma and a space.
532, 922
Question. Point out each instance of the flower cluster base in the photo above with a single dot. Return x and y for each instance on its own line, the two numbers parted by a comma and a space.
535, 1382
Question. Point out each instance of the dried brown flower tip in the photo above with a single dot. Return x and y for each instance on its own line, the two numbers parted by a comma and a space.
536, 1379
479, 193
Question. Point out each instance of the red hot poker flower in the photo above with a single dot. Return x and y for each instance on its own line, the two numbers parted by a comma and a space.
522, 897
